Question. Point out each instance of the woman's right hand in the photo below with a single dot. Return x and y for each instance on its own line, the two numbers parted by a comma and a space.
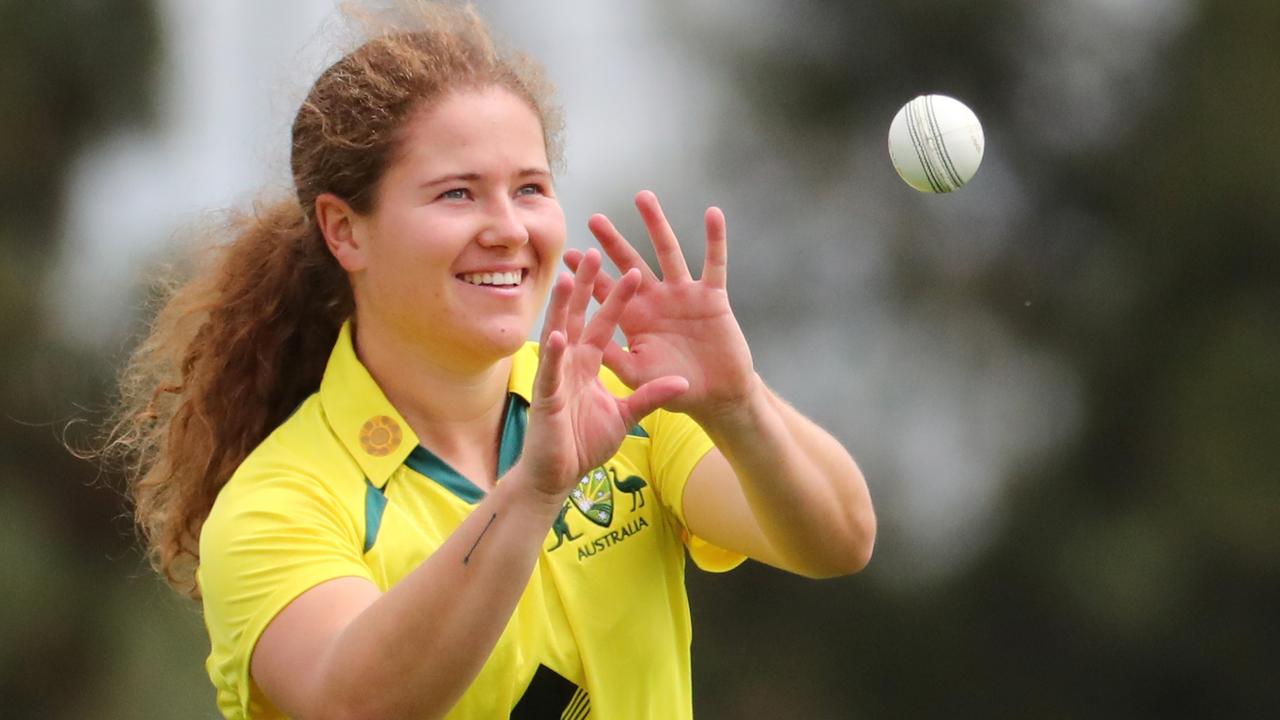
575, 423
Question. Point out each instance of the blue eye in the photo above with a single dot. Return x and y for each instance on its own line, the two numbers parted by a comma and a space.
530, 189
455, 194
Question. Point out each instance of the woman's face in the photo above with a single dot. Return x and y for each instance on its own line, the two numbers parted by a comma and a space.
463, 243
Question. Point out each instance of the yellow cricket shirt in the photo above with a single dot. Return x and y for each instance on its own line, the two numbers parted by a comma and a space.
343, 488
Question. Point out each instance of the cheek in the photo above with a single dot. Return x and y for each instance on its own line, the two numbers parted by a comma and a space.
402, 248
391, 272
550, 236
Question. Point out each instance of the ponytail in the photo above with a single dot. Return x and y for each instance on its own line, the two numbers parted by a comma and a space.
238, 347
231, 354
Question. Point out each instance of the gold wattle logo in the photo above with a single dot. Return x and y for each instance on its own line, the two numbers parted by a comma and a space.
380, 436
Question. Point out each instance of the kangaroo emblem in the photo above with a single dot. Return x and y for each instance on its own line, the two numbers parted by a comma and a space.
634, 485
561, 528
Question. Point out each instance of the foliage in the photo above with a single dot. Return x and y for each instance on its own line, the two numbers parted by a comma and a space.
1124, 228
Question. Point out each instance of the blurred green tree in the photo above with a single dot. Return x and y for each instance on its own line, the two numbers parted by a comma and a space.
1137, 567
77, 606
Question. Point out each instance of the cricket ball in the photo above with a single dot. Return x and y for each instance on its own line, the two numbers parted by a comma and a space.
936, 143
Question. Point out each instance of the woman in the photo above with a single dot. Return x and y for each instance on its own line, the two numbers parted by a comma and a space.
390, 503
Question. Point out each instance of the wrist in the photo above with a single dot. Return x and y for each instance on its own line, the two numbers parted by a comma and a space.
528, 494
743, 413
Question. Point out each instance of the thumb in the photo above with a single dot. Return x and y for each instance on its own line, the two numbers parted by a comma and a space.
551, 357
651, 396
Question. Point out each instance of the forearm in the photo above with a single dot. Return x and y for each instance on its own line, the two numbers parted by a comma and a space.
804, 489
415, 650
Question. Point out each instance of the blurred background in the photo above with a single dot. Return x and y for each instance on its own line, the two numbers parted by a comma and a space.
1062, 381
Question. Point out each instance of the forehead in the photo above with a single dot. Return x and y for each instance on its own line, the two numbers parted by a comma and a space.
475, 128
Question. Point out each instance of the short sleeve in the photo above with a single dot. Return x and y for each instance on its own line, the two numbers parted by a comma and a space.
266, 541
677, 444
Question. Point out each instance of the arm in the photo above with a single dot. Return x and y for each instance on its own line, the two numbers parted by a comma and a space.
330, 652
781, 490
343, 649
777, 487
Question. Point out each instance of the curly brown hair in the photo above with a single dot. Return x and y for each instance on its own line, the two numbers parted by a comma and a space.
236, 347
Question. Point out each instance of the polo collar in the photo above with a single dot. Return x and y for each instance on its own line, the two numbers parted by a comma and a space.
524, 366
358, 412
369, 426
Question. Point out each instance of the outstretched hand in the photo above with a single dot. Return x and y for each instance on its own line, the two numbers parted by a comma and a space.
675, 325
575, 423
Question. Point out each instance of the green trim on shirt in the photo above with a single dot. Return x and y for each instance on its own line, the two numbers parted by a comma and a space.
374, 503
512, 443
428, 464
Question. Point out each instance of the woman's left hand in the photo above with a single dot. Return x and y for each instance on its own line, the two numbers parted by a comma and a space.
676, 325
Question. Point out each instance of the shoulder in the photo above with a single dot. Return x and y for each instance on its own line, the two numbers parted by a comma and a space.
291, 516
304, 442
300, 465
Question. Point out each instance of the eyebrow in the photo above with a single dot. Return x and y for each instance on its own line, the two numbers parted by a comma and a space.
473, 177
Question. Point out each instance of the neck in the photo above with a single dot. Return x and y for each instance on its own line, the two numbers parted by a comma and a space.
453, 403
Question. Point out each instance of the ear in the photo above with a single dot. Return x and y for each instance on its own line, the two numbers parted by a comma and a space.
342, 228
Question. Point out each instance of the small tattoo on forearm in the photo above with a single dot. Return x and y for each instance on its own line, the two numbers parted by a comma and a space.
467, 559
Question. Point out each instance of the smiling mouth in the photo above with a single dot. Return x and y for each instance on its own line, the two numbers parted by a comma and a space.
512, 278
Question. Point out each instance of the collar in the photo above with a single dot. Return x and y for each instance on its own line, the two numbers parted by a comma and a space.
368, 425
524, 366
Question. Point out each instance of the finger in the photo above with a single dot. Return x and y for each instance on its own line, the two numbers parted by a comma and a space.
621, 362
550, 359
651, 396
555, 317
715, 271
599, 331
571, 258
604, 283
665, 243
580, 298
617, 248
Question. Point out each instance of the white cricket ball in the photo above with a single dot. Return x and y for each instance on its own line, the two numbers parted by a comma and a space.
936, 143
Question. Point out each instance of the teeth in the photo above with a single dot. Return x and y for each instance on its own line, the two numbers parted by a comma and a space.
503, 278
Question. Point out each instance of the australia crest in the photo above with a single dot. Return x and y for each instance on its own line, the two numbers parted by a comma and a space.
593, 497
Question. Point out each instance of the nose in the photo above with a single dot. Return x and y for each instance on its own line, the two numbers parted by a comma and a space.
503, 227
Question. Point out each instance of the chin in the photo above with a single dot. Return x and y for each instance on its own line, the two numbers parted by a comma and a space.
503, 342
